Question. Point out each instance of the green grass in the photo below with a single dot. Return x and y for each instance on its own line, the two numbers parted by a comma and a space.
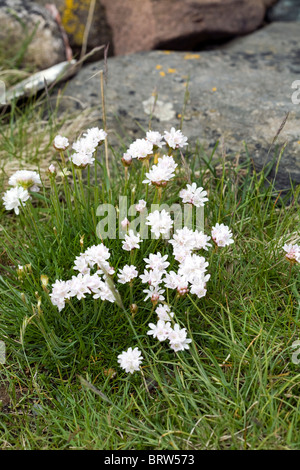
236, 388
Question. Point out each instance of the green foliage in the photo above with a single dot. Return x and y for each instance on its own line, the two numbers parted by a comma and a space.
236, 388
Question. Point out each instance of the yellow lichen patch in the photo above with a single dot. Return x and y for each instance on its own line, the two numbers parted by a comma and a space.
162, 74
191, 56
172, 70
71, 20
158, 67
214, 89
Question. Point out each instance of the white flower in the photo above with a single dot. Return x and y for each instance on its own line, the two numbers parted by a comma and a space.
161, 173
178, 339
60, 143
154, 293
141, 205
81, 264
60, 292
201, 241
93, 282
126, 159
199, 289
125, 223
52, 169
155, 138
131, 241
221, 235
157, 261
160, 331
292, 252
192, 267
130, 360
96, 135
14, 197
104, 292
160, 222
140, 149
152, 277
97, 254
164, 312
180, 253
81, 160
183, 238
78, 286
84, 145
29, 180
176, 281
193, 195
127, 273
175, 139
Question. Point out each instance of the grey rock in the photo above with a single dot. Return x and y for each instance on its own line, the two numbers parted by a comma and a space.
26, 23
285, 10
240, 94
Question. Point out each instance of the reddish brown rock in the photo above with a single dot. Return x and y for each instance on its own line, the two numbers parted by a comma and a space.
149, 24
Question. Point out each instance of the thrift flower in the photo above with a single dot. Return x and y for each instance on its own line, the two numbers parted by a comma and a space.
193, 195
140, 149
221, 235
175, 139
130, 360
60, 143
292, 252
160, 331
29, 180
164, 312
160, 222
127, 274
178, 339
141, 205
155, 138
14, 198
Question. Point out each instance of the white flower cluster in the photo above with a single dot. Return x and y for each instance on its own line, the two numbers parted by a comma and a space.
22, 181
130, 360
177, 336
161, 173
86, 146
143, 149
84, 283
193, 195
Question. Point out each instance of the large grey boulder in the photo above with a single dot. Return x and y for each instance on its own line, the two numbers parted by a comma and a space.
30, 32
241, 94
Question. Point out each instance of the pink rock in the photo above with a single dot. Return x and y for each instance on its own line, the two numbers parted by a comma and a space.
139, 25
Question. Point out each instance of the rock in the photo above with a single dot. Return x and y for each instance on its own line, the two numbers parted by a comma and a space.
139, 25
74, 16
30, 29
241, 94
285, 10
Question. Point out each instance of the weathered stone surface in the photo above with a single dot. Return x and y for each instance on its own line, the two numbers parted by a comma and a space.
136, 25
285, 10
241, 93
19, 20
176, 24
74, 16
